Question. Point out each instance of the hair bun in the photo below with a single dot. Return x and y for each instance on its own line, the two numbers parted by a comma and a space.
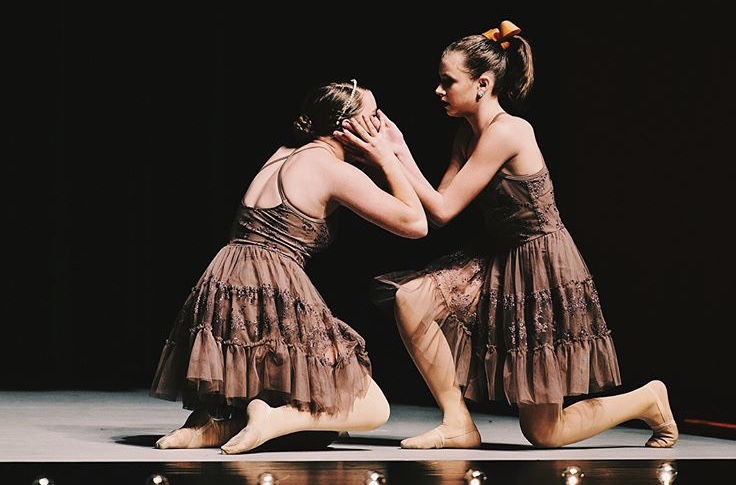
303, 124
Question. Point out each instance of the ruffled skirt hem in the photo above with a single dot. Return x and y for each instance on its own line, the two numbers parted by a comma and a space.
255, 326
524, 327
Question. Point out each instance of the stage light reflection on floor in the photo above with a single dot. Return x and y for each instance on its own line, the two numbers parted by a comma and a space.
453, 472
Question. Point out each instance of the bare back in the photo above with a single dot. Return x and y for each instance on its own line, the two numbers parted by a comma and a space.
316, 182
297, 171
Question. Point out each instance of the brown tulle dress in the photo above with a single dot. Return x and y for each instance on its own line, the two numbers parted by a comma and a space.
255, 325
519, 308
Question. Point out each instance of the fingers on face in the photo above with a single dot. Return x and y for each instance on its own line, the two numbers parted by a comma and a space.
362, 122
369, 123
376, 122
357, 126
351, 132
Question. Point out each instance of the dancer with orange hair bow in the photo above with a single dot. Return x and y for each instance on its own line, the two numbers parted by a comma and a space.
514, 316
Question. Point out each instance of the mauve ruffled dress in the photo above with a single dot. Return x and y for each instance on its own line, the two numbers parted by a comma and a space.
519, 308
255, 325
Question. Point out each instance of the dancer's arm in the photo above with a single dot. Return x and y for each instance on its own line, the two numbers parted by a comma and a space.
464, 177
398, 209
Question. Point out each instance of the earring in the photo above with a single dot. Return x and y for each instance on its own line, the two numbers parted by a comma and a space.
481, 93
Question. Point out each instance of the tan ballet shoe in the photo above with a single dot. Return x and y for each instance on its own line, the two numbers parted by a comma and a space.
664, 434
200, 431
443, 437
254, 434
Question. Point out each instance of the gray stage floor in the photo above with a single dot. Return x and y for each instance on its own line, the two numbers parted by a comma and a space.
94, 426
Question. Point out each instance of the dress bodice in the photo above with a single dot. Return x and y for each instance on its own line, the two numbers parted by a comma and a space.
283, 227
517, 209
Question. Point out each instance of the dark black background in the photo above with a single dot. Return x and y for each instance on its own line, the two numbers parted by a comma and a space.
135, 128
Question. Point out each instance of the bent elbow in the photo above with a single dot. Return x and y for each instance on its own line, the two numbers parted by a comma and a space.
439, 221
421, 229
442, 215
417, 228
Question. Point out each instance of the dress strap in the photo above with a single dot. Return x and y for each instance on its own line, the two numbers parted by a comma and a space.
284, 157
280, 183
275, 160
496, 117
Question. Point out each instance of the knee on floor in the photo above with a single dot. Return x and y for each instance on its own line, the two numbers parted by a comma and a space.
541, 437
382, 414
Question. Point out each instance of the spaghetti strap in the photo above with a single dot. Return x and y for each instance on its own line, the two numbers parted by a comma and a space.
275, 160
280, 183
296, 150
496, 117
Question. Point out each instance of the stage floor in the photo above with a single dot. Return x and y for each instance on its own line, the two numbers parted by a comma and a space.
80, 437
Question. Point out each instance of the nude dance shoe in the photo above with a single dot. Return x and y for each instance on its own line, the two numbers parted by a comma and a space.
442, 437
664, 435
200, 431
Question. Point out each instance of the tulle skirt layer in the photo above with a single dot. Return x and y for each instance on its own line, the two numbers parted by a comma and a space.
524, 325
255, 325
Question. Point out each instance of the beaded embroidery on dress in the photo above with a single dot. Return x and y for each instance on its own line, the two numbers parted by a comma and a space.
519, 308
254, 324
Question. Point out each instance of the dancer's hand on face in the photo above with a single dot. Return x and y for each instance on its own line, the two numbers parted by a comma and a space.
365, 138
392, 131
353, 153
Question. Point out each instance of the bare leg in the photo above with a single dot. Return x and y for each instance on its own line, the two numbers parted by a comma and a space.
201, 431
432, 355
266, 423
551, 426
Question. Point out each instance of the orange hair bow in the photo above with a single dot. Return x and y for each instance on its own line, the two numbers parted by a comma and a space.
505, 31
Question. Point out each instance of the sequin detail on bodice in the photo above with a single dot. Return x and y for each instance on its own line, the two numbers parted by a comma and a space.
283, 228
517, 209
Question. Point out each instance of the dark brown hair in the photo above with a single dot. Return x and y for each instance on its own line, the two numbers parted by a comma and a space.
513, 67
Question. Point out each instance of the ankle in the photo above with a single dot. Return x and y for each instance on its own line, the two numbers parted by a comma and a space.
457, 417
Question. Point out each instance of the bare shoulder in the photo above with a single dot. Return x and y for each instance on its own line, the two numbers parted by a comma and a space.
319, 171
510, 130
518, 138
511, 124
314, 162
